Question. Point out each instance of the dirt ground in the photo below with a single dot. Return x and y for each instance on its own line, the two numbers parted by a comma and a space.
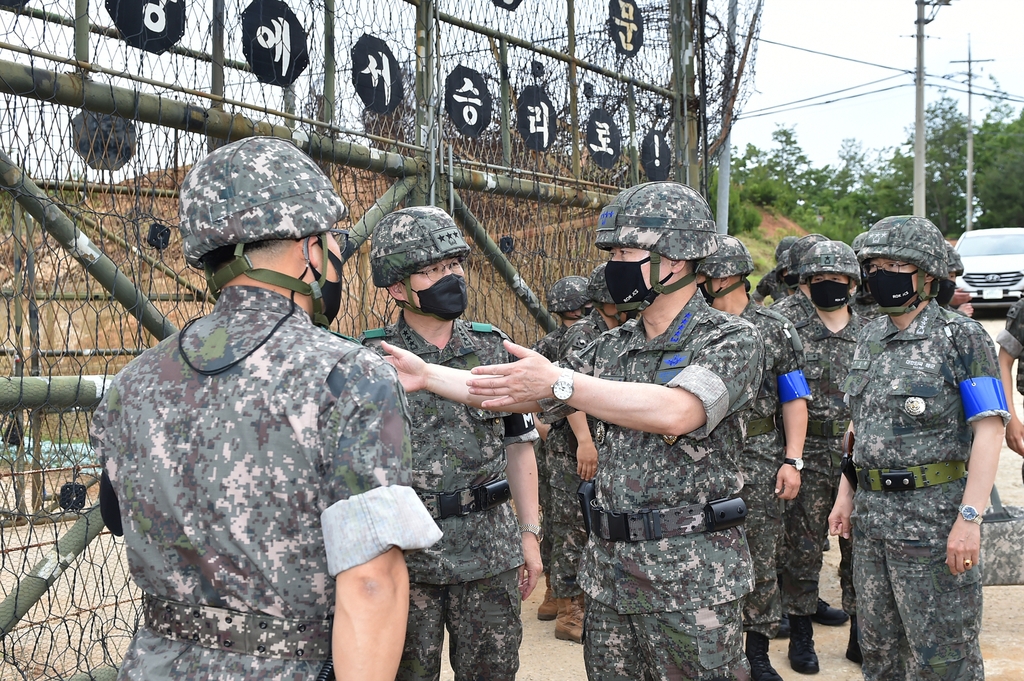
544, 658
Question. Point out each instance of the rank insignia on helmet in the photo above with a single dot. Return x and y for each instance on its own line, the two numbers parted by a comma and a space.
914, 406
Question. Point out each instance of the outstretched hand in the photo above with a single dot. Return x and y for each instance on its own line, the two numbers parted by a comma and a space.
412, 371
527, 380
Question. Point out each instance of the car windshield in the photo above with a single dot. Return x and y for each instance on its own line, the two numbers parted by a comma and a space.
992, 244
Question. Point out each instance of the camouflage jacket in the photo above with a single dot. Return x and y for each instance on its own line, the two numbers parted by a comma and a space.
866, 307
794, 307
456, 447
827, 358
904, 396
549, 344
222, 479
1011, 339
783, 353
642, 470
772, 287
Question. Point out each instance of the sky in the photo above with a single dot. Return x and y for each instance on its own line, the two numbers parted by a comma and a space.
880, 32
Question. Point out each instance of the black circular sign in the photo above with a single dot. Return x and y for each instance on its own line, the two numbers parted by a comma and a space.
105, 142
604, 142
274, 42
510, 5
535, 118
150, 25
376, 75
467, 101
626, 26
655, 156
13, 4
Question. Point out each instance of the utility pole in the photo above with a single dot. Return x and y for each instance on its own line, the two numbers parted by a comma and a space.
919, 130
969, 224
725, 156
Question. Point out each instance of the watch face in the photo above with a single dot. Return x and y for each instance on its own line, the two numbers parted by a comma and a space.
562, 390
969, 512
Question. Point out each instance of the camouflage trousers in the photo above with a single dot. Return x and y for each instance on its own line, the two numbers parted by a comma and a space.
703, 645
540, 451
484, 624
762, 607
806, 528
568, 536
917, 621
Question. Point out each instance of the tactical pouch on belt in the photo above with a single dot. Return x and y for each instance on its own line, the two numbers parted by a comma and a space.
586, 493
492, 494
722, 514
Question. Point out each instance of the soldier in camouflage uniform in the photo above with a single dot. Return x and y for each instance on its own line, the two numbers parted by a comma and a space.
574, 459
1011, 347
567, 298
467, 462
949, 296
829, 272
257, 464
925, 404
667, 565
774, 284
863, 303
797, 306
771, 461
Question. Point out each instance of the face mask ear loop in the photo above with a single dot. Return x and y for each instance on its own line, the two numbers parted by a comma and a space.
921, 283
315, 286
407, 304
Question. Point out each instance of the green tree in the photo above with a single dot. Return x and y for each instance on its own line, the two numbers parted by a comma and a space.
999, 159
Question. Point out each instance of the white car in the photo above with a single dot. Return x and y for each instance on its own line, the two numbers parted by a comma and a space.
993, 266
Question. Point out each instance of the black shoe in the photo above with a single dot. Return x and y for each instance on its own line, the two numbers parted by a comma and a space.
828, 545
757, 655
783, 627
829, 616
853, 653
802, 657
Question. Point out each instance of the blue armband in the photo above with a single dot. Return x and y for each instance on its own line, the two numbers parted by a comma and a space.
984, 393
793, 386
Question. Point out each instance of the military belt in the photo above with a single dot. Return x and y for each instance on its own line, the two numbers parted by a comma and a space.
245, 633
653, 524
761, 426
914, 477
827, 428
462, 502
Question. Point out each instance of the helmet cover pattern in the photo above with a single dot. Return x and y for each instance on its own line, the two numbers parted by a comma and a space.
256, 189
407, 240
956, 263
909, 239
597, 286
791, 259
732, 257
666, 218
784, 245
567, 294
829, 257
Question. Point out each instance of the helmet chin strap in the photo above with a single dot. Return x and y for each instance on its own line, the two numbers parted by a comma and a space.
242, 265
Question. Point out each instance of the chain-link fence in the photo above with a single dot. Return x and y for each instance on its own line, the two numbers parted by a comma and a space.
521, 119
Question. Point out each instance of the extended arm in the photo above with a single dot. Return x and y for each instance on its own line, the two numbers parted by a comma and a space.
964, 541
370, 613
522, 479
794, 424
1014, 429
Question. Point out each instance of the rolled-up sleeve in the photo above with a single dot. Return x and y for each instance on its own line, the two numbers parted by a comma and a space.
1008, 342
710, 389
358, 529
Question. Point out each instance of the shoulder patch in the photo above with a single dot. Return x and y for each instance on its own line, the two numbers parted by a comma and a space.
481, 327
1014, 311
348, 338
375, 333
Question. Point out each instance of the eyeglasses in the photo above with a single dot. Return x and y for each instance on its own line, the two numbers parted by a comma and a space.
893, 267
435, 272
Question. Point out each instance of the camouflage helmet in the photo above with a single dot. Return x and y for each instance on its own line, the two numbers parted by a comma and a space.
567, 294
829, 257
858, 242
783, 246
791, 258
956, 264
597, 286
908, 239
257, 189
732, 257
407, 240
666, 218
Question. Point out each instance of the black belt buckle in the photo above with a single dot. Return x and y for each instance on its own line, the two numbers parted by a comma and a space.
449, 505
897, 481
492, 494
652, 523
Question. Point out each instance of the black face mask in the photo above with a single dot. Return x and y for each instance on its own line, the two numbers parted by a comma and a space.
947, 287
703, 288
331, 290
446, 299
627, 284
891, 289
791, 280
829, 296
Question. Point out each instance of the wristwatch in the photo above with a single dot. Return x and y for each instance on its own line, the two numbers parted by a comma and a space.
563, 386
970, 514
795, 463
535, 530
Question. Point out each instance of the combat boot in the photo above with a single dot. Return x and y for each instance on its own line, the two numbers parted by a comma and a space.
802, 657
548, 610
829, 616
569, 625
783, 627
853, 653
757, 655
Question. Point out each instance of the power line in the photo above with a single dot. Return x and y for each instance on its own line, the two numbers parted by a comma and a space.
830, 101
826, 94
